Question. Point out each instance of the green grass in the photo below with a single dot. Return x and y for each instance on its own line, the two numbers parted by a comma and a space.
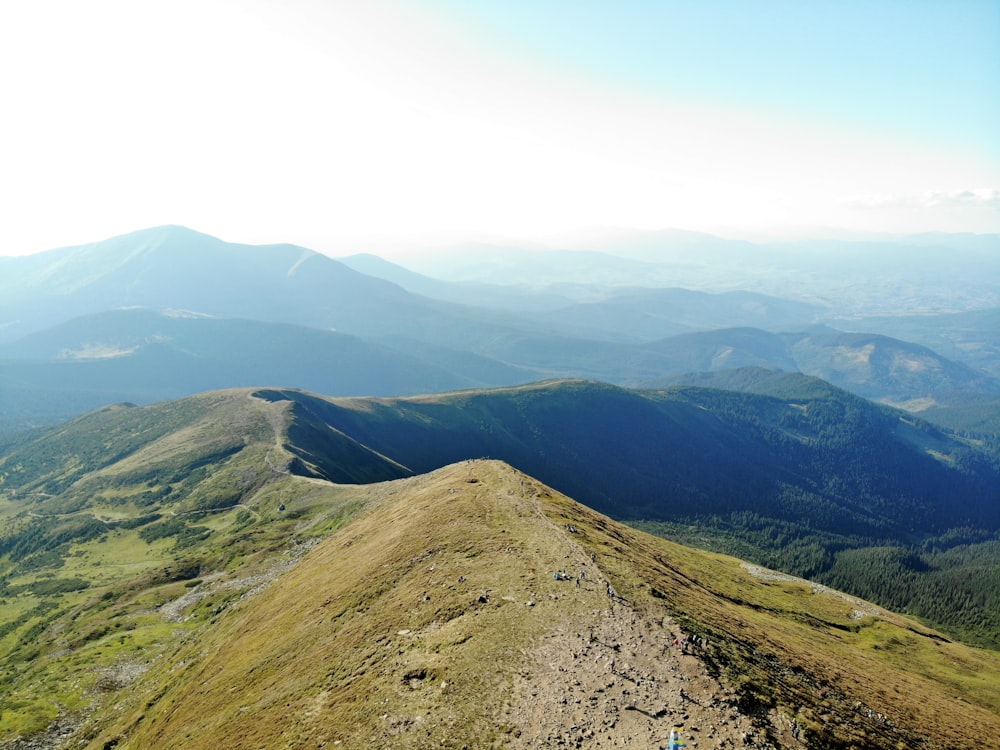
57, 648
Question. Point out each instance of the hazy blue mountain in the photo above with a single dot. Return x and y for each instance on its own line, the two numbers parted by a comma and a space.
972, 337
478, 294
567, 318
726, 349
530, 267
144, 356
176, 268
602, 311
661, 246
892, 274
642, 314
871, 365
877, 366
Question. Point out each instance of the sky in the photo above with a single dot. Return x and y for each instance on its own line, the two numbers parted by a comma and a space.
349, 123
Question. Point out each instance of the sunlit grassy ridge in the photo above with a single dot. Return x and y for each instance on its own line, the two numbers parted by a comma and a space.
413, 621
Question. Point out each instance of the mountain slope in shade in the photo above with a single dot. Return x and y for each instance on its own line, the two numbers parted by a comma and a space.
142, 356
815, 455
796, 482
661, 454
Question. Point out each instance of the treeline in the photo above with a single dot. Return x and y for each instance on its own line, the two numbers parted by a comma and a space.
957, 589
951, 581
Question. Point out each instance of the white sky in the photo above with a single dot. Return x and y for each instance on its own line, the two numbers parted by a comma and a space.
312, 121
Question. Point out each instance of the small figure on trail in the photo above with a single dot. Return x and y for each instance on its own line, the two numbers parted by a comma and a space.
675, 738
611, 592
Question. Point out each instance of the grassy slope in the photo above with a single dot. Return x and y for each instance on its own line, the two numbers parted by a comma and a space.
61, 651
374, 640
124, 511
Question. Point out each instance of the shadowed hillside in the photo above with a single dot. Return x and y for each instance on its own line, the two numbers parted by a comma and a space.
145, 356
663, 454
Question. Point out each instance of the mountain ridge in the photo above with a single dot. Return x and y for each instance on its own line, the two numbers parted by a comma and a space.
430, 614
812, 481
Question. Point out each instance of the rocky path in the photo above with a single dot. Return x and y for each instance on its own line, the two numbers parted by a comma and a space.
623, 683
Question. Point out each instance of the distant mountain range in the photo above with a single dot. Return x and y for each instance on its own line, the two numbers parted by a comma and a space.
871, 365
167, 312
891, 274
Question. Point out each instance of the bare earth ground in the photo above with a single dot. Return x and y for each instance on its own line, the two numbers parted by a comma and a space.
622, 681
623, 684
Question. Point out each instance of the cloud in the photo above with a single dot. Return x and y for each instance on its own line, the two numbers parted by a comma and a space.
976, 198
961, 198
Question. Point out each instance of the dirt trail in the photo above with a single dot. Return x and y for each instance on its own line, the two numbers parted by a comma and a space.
623, 678
623, 683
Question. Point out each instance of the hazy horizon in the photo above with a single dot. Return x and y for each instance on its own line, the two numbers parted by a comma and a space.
346, 124
416, 246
